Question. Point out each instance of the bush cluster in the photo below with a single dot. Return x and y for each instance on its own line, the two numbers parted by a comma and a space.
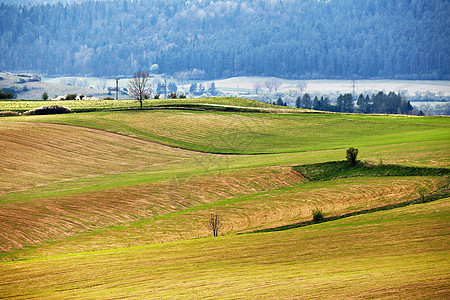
71, 96
48, 110
317, 215
6, 95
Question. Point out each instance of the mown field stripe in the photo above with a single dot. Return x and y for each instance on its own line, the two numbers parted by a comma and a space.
402, 253
439, 194
222, 132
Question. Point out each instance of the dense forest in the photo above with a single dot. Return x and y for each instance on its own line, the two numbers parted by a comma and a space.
408, 39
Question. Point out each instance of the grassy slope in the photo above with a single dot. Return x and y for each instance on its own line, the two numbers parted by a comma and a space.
239, 211
77, 164
341, 169
398, 253
176, 208
249, 133
121, 171
101, 105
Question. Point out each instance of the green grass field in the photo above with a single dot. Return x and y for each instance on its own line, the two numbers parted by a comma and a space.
107, 105
393, 254
243, 133
115, 204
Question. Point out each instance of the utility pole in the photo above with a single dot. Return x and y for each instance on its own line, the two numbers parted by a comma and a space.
165, 87
117, 88
354, 89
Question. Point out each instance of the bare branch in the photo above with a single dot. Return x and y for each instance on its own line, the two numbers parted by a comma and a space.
302, 85
139, 86
273, 84
214, 224
257, 86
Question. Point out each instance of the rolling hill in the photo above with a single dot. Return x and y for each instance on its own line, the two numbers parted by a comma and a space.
119, 202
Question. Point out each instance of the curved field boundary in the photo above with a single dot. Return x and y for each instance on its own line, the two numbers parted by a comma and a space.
111, 105
37, 221
37, 154
440, 193
401, 253
185, 212
235, 133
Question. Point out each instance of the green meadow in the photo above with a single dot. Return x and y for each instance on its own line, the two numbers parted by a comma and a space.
114, 202
390, 254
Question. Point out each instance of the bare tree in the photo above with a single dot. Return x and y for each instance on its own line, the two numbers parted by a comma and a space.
276, 84
272, 84
268, 85
302, 85
214, 224
257, 86
139, 86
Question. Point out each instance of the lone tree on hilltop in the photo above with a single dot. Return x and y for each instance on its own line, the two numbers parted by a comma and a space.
139, 86
352, 153
214, 224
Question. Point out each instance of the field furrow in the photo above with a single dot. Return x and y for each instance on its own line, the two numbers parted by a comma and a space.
382, 255
35, 154
247, 133
174, 218
46, 219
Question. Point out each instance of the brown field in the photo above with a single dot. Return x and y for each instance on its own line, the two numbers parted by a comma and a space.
72, 189
113, 212
36, 154
401, 253
35, 221
178, 209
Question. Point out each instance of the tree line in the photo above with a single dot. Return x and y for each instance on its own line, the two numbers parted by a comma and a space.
380, 103
408, 39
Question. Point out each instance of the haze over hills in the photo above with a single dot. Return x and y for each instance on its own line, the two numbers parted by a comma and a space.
217, 39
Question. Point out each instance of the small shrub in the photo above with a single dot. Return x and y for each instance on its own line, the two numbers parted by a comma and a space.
45, 96
8, 113
352, 153
182, 96
423, 190
173, 95
317, 215
108, 98
49, 110
156, 96
6, 95
71, 96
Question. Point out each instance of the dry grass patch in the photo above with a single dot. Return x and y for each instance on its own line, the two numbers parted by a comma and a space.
246, 133
40, 220
36, 154
401, 253
243, 205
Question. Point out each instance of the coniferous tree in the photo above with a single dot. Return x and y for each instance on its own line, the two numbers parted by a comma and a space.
212, 89
316, 103
298, 102
306, 101
193, 88
362, 105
